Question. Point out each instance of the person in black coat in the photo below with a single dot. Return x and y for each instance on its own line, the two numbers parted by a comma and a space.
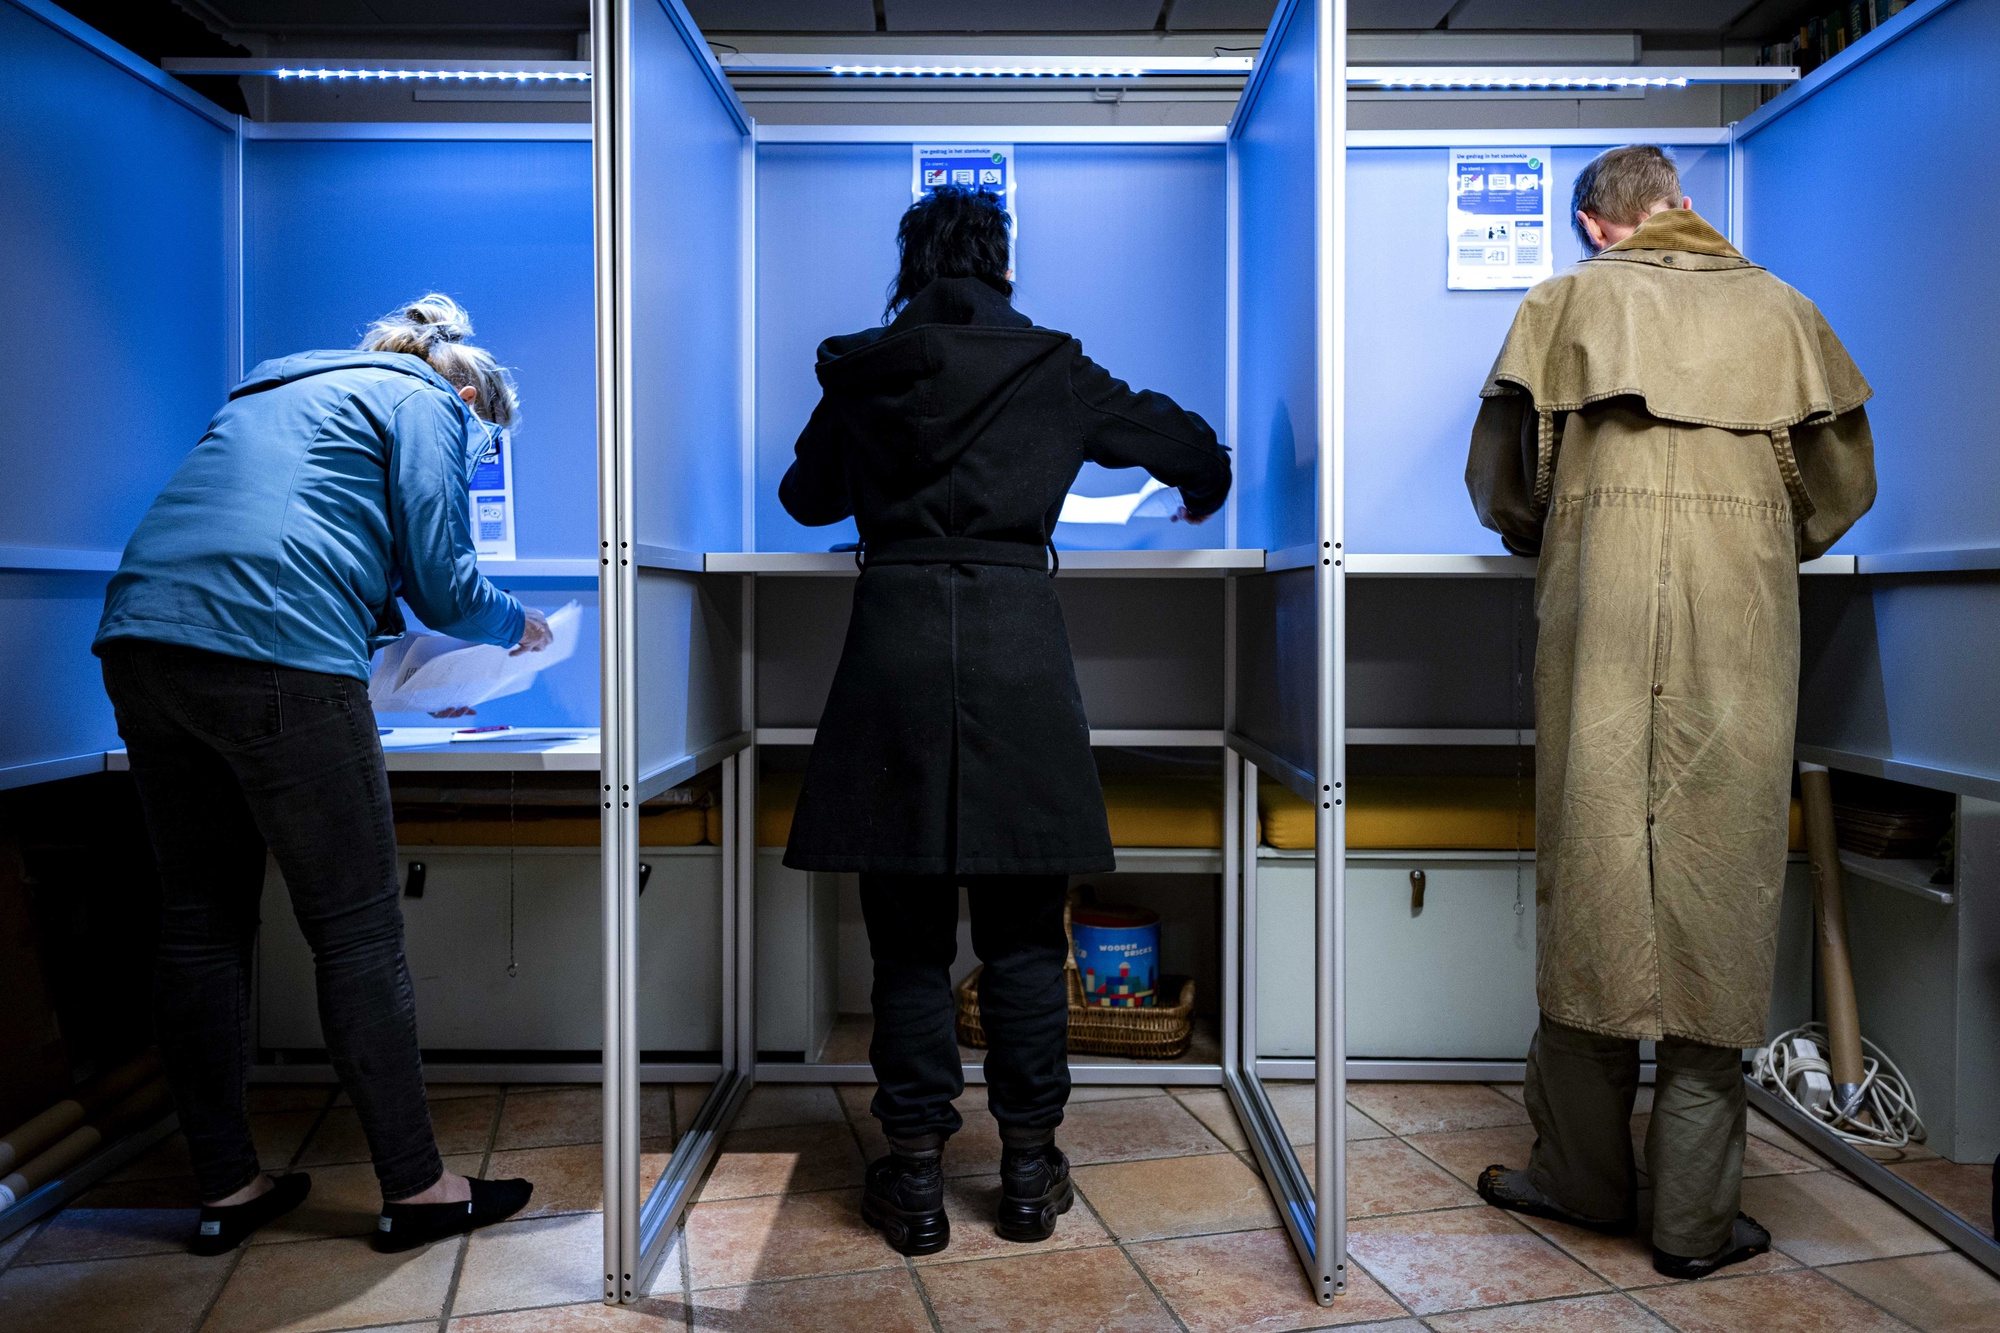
954, 749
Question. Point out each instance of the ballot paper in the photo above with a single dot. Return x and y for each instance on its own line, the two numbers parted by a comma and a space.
425, 738
428, 673
1114, 510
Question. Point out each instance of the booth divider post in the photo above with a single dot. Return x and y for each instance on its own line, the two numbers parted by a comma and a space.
1330, 869
610, 59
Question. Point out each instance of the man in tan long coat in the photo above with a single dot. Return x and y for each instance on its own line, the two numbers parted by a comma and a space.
1671, 429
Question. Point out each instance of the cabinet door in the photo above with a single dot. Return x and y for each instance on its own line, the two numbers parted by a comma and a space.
797, 956
680, 952
454, 934
1451, 980
506, 953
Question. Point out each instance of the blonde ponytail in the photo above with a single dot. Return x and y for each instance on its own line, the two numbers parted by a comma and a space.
437, 330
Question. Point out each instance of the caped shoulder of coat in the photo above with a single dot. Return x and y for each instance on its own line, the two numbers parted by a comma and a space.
1676, 316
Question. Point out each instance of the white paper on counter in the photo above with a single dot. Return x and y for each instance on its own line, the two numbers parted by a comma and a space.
1114, 510
428, 673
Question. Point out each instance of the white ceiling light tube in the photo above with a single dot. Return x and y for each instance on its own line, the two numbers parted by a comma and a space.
389, 71
1558, 78
899, 66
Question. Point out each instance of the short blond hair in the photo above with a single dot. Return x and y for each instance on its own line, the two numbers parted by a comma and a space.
437, 329
1623, 185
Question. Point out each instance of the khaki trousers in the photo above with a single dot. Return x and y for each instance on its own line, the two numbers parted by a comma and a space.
1580, 1091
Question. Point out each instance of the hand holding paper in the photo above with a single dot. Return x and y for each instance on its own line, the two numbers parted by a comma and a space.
430, 673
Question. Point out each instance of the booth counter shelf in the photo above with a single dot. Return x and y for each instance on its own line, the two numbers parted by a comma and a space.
1510, 566
575, 751
1204, 563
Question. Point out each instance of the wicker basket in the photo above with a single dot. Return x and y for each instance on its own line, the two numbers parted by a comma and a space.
1162, 1032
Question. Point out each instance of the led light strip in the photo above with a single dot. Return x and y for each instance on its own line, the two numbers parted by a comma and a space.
995, 72
1524, 83
428, 75
1557, 78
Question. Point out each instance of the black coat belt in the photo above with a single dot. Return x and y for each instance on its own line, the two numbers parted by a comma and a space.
955, 551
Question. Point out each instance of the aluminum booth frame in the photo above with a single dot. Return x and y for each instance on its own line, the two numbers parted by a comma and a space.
638, 1229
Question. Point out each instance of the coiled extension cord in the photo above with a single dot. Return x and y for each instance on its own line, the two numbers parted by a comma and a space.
1885, 1115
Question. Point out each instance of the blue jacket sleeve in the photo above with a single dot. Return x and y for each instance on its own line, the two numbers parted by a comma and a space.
431, 524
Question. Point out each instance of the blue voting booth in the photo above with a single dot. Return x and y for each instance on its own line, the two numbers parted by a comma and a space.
659, 287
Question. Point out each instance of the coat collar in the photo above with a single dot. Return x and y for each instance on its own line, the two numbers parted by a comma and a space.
1671, 237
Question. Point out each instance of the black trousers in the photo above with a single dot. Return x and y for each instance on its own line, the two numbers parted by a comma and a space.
230, 757
1017, 931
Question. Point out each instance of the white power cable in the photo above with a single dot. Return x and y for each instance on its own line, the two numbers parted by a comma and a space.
1885, 1114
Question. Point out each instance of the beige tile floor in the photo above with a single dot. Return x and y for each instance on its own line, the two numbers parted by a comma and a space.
1173, 1231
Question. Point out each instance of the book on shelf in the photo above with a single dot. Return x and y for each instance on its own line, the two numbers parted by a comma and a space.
1820, 39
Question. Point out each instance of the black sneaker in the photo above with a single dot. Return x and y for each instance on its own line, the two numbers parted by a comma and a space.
405, 1226
1747, 1240
904, 1200
221, 1230
1034, 1191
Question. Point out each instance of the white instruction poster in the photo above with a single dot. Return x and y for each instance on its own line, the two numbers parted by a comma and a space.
987, 167
493, 498
1497, 218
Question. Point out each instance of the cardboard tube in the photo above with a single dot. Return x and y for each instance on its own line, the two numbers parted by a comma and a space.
1843, 1015
24, 1141
144, 1104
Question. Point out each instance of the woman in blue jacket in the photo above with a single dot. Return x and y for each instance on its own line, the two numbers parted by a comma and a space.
235, 644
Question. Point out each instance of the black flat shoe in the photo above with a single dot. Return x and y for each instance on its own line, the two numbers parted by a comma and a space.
904, 1200
223, 1229
405, 1226
1747, 1240
1510, 1190
1035, 1190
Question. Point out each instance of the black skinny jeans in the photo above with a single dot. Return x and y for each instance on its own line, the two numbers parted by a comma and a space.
1017, 931
230, 757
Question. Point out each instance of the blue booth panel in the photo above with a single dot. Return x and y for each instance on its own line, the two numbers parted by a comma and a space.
1852, 196
114, 323
115, 330
1122, 246
338, 231
1278, 334
1417, 353
687, 204
1279, 635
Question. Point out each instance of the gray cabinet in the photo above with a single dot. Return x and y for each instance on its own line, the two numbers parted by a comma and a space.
1454, 980
506, 952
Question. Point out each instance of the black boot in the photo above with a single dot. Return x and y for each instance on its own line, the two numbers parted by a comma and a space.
904, 1200
1034, 1191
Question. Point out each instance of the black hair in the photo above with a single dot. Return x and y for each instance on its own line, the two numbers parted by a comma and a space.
952, 232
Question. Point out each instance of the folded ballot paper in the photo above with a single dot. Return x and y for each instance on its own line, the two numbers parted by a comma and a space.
1149, 501
428, 673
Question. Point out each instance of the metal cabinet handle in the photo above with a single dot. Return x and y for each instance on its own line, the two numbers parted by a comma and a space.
1416, 892
645, 873
413, 887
